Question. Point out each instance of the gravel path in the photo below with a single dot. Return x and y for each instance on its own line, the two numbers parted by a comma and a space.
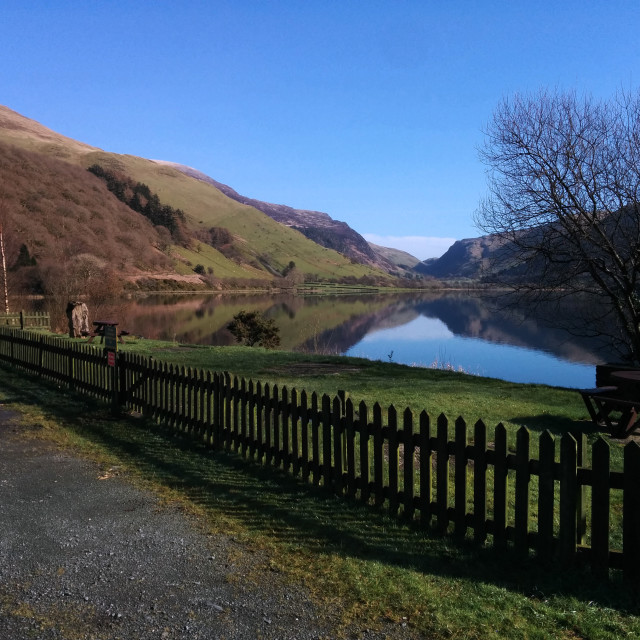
85, 555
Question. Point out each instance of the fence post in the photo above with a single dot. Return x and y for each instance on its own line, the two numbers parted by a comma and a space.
568, 498
279, 401
125, 377
268, 422
546, 495
581, 497
315, 439
326, 441
252, 420
40, 355
378, 456
500, 485
259, 448
236, 414
480, 482
408, 455
425, 469
70, 368
600, 504
227, 411
244, 418
116, 372
460, 478
304, 434
631, 515
392, 455
442, 473
522, 492
350, 460
363, 425
343, 396
338, 457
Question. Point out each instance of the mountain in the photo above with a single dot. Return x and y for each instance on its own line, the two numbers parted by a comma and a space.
66, 218
315, 225
29, 134
470, 258
400, 259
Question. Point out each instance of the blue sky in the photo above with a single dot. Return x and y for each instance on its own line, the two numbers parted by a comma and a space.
372, 111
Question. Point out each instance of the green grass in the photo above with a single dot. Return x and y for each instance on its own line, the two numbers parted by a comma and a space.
209, 257
537, 407
256, 234
359, 563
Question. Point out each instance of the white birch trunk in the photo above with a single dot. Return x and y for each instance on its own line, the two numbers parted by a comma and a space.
4, 271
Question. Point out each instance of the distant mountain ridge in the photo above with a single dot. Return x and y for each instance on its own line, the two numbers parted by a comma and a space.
469, 258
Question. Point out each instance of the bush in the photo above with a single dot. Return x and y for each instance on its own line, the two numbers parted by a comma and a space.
254, 328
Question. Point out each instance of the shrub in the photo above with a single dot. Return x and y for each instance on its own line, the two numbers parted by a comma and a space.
254, 328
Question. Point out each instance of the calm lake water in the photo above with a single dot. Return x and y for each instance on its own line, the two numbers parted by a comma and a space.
458, 331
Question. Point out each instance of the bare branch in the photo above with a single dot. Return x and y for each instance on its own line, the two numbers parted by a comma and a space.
564, 185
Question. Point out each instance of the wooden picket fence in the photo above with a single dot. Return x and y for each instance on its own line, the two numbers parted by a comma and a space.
565, 505
26, 320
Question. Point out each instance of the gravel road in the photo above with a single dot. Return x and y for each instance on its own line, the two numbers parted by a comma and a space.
85, 555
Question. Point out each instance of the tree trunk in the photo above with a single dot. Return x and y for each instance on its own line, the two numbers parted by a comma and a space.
4, 271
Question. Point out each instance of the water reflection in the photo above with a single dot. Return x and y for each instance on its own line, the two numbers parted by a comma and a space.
461, 330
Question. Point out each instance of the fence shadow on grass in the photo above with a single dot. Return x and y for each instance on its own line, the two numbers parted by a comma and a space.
558, 425
270, 502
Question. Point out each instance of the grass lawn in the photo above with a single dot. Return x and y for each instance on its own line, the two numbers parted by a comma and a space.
353, 558
537, 407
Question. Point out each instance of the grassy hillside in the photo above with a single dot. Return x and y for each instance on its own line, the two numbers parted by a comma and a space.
68, 221
259, 239
261, 248
396, 256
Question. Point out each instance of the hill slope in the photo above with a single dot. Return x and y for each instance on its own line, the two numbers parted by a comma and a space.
315, 225
469, 258
397, 257
40, 215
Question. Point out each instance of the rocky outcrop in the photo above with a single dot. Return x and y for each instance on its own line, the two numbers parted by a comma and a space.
470, 258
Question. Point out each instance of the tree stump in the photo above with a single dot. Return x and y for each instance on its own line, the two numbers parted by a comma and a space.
78, 316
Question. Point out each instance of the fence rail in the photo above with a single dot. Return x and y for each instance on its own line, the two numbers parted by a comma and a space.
556, 505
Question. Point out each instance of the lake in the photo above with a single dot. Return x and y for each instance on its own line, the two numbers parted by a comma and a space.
455, 330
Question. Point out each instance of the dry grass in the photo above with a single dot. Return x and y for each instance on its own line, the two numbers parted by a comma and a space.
61, 211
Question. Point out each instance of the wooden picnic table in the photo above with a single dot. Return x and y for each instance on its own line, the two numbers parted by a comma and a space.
623, 397
631, 376
100, 326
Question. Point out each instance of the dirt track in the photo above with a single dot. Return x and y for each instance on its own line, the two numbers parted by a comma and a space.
85, 555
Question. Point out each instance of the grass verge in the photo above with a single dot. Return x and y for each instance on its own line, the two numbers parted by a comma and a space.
363, 565
537, 407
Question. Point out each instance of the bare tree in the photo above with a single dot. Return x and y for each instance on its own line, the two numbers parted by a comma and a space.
4, 273
3, 262
564, 200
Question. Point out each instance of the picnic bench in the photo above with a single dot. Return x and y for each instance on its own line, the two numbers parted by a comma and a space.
621, 396
100, 326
